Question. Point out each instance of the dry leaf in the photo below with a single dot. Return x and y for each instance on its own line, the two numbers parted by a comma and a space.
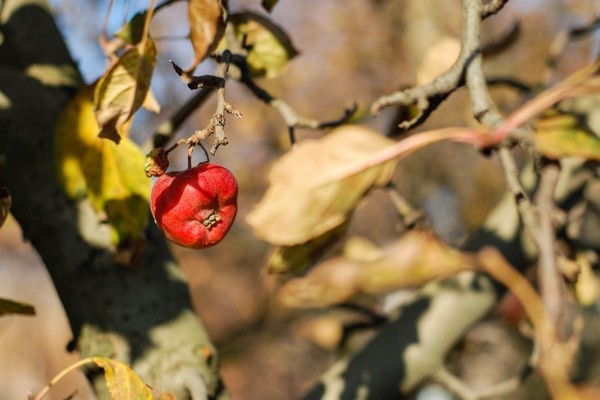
123, 89
207, 25
297, 206
411, 261
8, 307
121, 381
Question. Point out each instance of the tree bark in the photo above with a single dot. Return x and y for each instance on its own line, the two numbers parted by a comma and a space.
142, 316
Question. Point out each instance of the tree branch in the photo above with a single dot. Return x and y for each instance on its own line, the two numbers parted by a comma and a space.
291, 118
113, 310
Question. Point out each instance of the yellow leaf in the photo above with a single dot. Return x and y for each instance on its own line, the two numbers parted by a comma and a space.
111, 175
563, 135
207, 25
122, 383
297, 206
270, 48
122, 90
132, 32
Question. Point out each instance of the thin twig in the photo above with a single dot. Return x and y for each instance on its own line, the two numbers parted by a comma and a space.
551, 285
217, 122
292, 119
561, 41
166, 130
485, 112
491, 8
61, 375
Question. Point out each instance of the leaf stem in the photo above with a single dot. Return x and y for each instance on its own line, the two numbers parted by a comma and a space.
61, 374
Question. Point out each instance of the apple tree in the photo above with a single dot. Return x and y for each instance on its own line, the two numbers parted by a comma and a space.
397, 310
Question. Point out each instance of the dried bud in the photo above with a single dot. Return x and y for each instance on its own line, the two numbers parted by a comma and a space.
156, 163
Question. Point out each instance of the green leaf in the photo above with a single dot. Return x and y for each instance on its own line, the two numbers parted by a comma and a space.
122, 383
564, 135
122, 90
207, 25
268, 4
270, 48
132, 31
110, 175
301, 204
13, 307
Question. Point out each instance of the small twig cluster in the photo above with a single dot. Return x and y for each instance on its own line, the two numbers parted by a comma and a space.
217, 122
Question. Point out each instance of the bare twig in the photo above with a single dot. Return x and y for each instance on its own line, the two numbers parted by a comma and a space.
485, 112
217, 122
561, 41
491, 8
429, 96
410, 216
291, 118
166, 130
551, 286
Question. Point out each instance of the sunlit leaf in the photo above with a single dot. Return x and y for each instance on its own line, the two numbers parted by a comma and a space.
5, 203
269, 4
411, 261
133, 30
298, 206
207, 25
8, 307
111, 175
122, 383
123, 88
270, 48
150, 103
563, 135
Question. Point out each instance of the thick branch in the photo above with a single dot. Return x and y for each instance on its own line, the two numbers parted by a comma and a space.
113, 310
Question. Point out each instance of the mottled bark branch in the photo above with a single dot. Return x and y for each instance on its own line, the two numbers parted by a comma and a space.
143, 316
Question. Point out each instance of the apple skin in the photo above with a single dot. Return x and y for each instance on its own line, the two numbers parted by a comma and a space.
195, 208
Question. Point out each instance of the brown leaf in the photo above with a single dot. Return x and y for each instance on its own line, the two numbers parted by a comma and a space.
411, 261
124, 88
13, 307
298, 206
207, 25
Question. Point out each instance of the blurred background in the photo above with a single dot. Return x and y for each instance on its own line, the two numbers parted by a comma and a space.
350, 51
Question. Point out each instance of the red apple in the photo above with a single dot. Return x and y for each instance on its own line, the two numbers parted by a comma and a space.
195, 208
